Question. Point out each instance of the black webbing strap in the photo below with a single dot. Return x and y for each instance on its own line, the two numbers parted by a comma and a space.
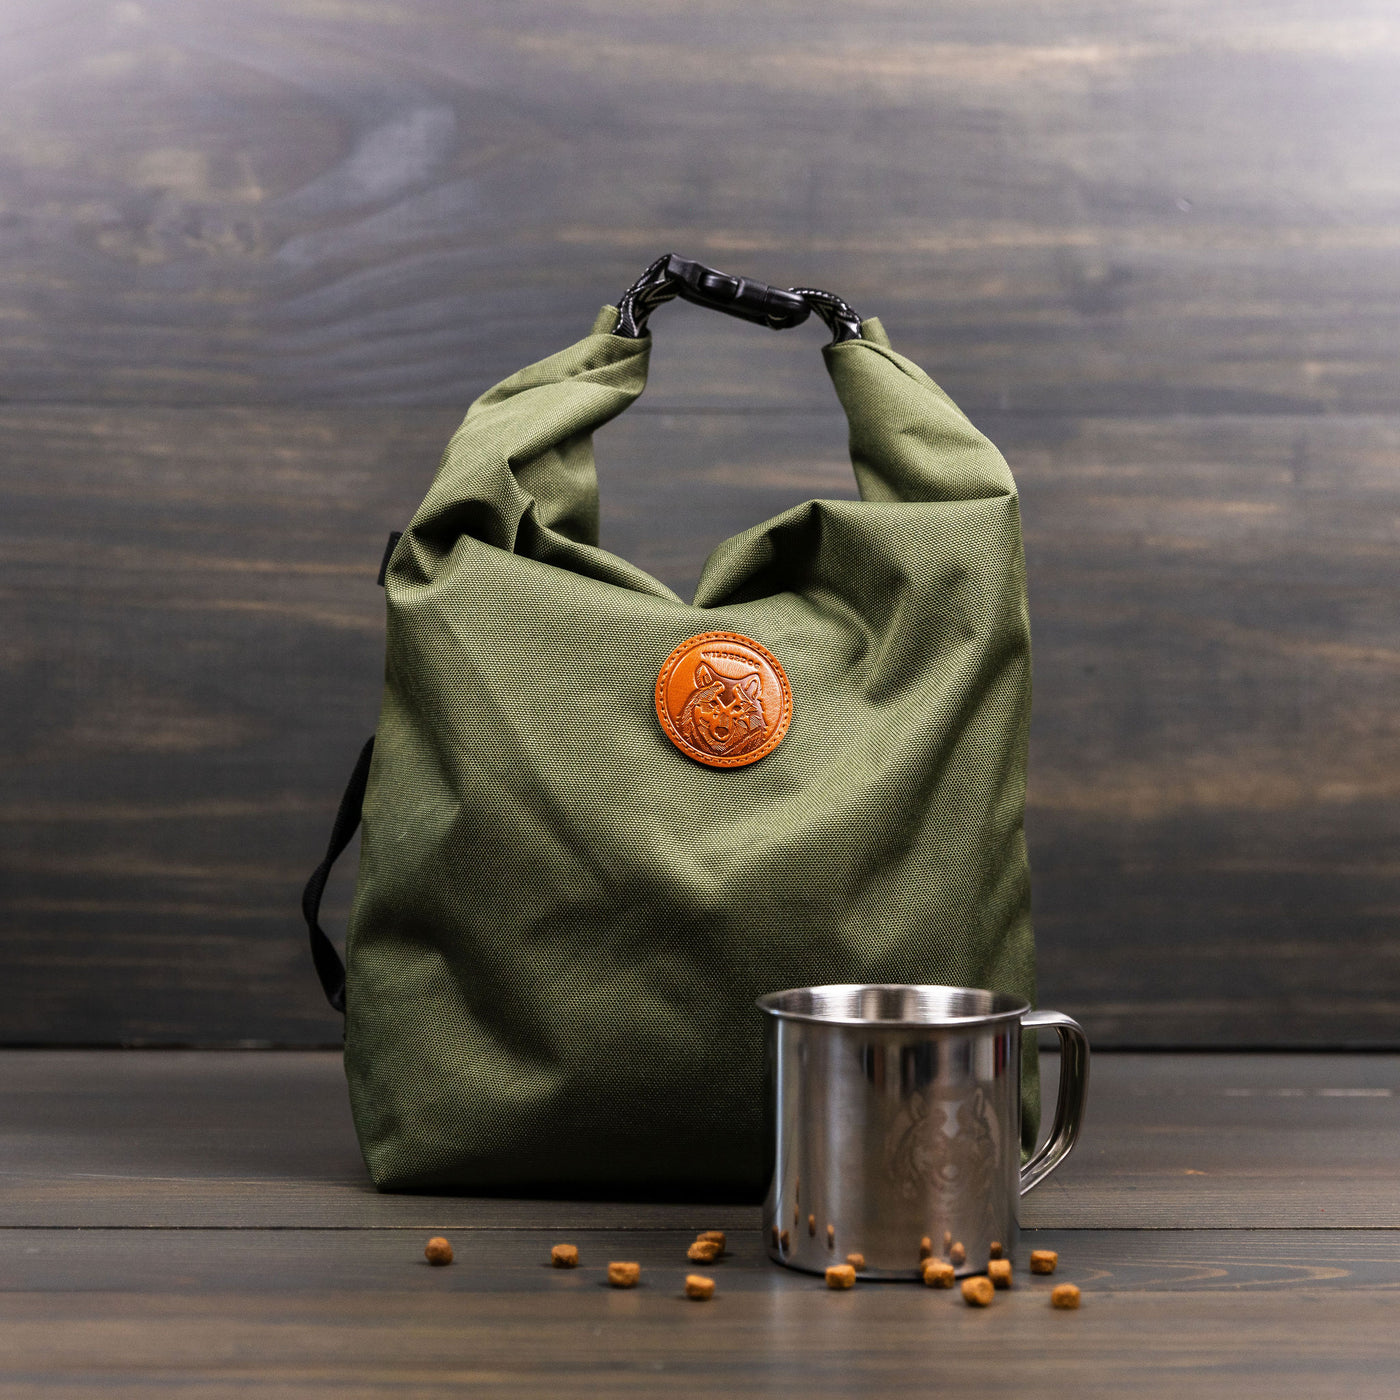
394, 537
329, 967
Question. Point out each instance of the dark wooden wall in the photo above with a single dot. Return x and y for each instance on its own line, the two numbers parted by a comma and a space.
256, 258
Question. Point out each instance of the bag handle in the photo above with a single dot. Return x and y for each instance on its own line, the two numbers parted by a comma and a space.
779, 308
329, 967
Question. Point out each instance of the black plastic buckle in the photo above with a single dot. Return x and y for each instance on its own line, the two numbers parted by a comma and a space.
737, 296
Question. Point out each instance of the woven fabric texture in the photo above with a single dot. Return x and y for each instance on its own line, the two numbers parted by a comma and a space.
561, 922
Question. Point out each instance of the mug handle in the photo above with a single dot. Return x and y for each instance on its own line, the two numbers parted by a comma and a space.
1069, 1105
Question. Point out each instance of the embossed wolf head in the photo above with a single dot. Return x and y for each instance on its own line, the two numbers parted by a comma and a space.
724, 714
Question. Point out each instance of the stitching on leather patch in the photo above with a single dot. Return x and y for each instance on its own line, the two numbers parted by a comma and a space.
723, 699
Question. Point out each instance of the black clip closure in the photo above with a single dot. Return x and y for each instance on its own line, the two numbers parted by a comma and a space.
779, 308
736, 296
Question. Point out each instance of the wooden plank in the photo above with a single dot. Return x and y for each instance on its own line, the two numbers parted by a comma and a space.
1213, 770
515, 1261
241, 1140
348, 1307
195, 641
1119, 209
196, 650
199, 638
582, 1338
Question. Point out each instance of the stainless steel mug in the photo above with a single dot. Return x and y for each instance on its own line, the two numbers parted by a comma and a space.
896, 1119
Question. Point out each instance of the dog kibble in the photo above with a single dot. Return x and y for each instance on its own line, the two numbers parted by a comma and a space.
624, 1275
783, 1242
840, 1276
699, 1287
811, 1224
856, 1261
938, 1273
716, 1235
438, 1251
1043, 1261
703, 1251
831, 1236
977, 1292
957, 1253
925, 1248
564, 1256
994, 1250
999, 1271
1064, 1295
947, 1240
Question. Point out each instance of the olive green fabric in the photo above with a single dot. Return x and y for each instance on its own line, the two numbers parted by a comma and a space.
561, 921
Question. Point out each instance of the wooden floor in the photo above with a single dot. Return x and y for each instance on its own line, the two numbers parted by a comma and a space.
197, 1224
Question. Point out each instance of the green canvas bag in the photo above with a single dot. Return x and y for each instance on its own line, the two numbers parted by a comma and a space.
563, 915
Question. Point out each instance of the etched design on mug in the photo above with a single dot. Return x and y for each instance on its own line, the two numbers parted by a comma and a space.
944, 1148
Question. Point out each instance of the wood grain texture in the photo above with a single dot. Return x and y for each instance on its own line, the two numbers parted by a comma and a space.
495, 1260
1188, 208
1215, 750
256, 258
240, 1254
196, 640
784, 1337
199, 1139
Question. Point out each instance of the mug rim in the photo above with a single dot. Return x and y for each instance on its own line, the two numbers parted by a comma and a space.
1008, 1007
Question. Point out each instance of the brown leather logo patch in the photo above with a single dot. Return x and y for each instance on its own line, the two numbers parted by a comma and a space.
723, 699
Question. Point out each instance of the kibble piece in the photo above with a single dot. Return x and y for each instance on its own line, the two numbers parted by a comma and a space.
977, 1292
831, 1236
699, 1287
437, 1251
994, 1250
925, 1248
624, 1275
957, 1253
783, 1242
947, 1240
811, 1224
716, 1235
796, 1217
1064, 1295
939, 1273
856, 1261
564, 1256
703, 1252
999, 1271
1043, 1261
840, 1276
